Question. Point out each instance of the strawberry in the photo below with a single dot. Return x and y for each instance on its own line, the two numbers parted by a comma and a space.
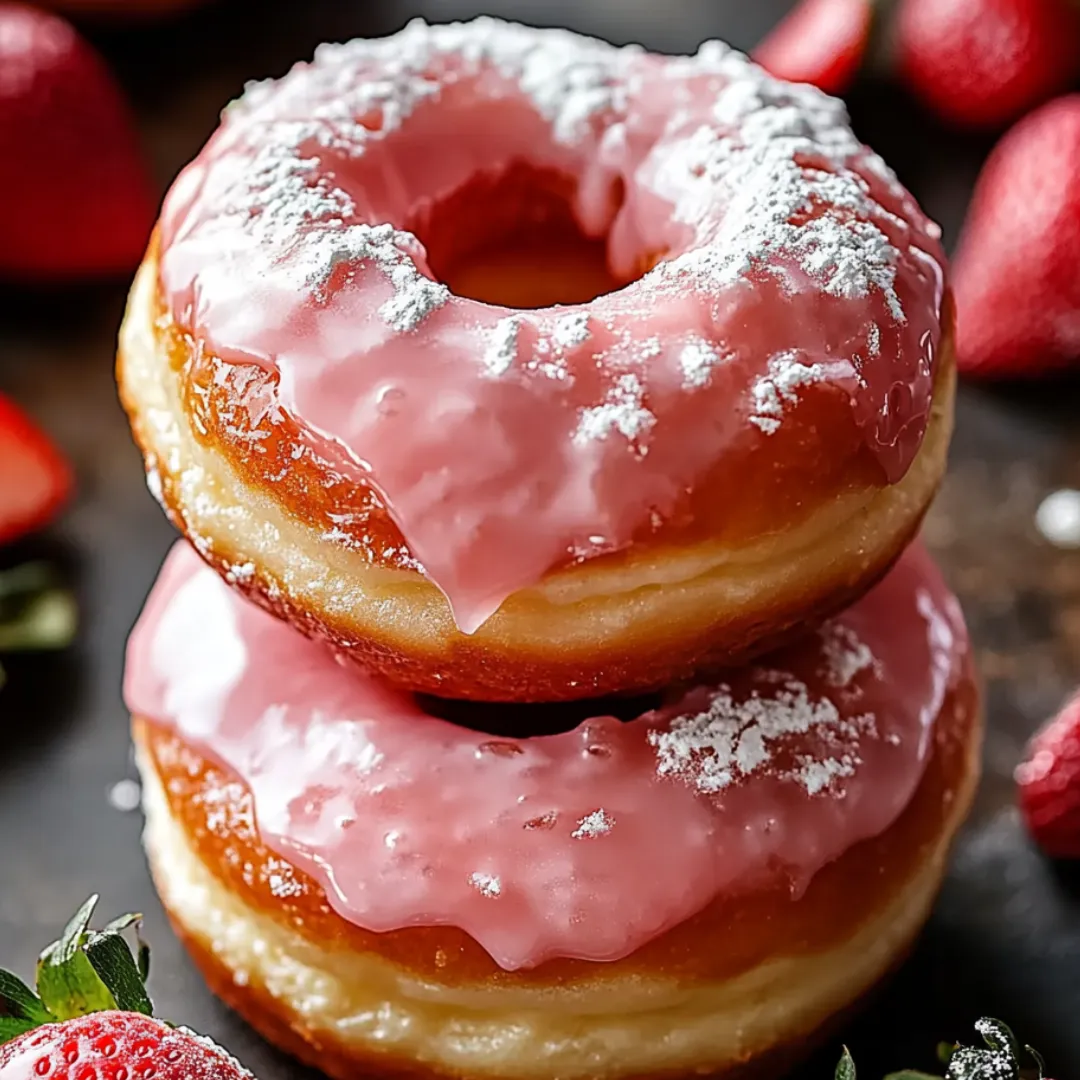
91, 1017
999, 1060
821, 42
983, 63
1049, 784
34, 480
75, 197
1016, 282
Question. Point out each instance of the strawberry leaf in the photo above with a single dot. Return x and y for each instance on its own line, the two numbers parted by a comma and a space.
73, 988
67, 982
845, 1070
35, 613
143, 956
1000, 1061
11, 1027
1035, 1056
19, 1001
111, 958
971, 1064
46, 622
60, 952
120, 924
998, 1037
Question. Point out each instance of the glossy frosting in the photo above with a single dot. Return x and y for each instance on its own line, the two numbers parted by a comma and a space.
790, 266
585, 844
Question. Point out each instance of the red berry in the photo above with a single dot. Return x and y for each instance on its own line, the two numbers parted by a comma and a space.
75, 197
115, 1046
1016, 282
1049, 783
983, 63
820, 42
35, 478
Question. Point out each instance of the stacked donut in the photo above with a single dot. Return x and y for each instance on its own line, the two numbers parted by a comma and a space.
556, 693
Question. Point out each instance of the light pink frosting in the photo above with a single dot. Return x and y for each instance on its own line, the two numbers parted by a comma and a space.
584, 844
505, 442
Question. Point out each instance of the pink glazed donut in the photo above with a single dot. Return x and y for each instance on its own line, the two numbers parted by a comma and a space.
388, 889
521, 367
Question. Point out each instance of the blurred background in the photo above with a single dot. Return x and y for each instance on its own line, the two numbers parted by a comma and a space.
1005, 939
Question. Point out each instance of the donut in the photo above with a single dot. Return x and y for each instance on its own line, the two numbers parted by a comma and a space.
521, 367
384, 885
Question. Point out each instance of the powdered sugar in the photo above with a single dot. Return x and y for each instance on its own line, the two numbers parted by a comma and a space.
733, 739
486, 884
772, 176
785, 166
281, 878
502, 347
780, 387
598, 823
304, 234
624, 412
846, 655
569, 79
571, 330
873, 339
192, 1054
697, 359
816, 776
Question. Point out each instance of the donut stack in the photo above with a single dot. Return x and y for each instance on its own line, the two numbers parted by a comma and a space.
554, 694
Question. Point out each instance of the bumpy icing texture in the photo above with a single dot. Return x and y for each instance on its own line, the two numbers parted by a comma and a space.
789, 264
584, 844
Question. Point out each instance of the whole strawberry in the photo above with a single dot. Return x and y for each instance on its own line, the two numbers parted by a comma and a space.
75, 197
1016, 276
1049, 784
821, 42
36, 480
983, 63
91, 1018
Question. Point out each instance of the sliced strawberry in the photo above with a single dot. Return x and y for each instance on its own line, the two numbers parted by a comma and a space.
821, 42
1049, 784
983, 63
75, 196
34, 477
1016, 281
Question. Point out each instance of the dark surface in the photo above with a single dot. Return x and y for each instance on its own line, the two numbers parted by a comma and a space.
1005, 938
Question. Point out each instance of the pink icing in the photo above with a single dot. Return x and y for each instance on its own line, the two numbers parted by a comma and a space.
505, 442
584, 844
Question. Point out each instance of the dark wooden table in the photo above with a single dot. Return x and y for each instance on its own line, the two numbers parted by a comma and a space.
1005, 938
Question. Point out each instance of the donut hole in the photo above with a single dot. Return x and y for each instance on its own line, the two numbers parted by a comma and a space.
511, 238
518, 721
